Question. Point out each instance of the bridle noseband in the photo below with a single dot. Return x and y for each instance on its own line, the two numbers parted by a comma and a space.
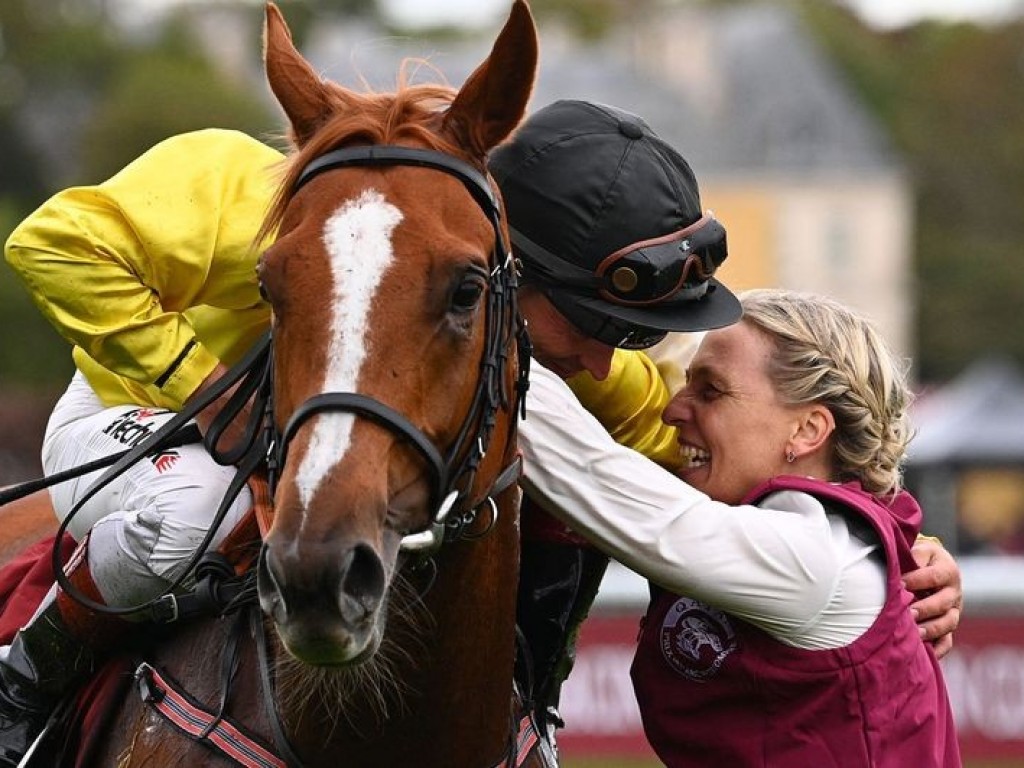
454, 472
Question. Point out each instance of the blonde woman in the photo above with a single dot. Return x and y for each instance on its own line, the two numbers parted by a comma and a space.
778, 632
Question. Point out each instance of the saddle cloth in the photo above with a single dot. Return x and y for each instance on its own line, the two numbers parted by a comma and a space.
24, 582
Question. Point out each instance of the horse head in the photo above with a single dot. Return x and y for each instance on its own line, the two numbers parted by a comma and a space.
393, 305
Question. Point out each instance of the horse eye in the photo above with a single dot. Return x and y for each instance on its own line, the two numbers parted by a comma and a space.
467, 294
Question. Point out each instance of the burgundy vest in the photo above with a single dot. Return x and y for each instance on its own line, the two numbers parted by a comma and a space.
717, 691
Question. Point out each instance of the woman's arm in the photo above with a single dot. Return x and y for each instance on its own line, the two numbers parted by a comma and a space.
775, 568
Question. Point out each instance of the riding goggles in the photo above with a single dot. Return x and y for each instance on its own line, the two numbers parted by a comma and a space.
608, 330
670, 269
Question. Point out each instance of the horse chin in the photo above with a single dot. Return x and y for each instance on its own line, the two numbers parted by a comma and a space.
321, 647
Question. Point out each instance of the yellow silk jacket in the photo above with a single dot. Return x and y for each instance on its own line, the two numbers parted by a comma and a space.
628, 403
151, 274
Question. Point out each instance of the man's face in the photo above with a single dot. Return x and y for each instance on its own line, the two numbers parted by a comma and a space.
557, 344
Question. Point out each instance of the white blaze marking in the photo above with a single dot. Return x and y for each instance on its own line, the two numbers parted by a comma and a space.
358, 241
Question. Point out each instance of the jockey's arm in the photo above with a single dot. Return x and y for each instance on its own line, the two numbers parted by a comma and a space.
937, 584
628, 403
126, 269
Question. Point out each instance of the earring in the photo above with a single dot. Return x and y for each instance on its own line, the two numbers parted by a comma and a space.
790, 457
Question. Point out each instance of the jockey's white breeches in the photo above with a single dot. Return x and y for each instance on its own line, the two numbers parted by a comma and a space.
146, 523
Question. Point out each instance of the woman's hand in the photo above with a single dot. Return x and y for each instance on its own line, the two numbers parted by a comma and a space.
939, 591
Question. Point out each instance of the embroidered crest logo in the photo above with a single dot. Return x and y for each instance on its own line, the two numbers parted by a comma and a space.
696, 639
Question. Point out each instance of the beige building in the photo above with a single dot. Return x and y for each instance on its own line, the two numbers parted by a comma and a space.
810, 191
842, 236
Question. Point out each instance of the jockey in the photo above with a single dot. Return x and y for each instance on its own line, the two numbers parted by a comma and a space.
151, 275
605, 218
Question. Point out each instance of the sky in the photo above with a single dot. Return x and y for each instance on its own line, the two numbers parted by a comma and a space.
882, 13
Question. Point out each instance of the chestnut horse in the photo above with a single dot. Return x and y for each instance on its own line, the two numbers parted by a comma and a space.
387, 576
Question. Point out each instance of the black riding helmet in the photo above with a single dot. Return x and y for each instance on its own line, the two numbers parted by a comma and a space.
606, 219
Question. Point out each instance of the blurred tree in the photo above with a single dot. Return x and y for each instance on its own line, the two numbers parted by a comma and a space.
952, 97
168, 88
47, 47
22, 176
588, 19
364, 8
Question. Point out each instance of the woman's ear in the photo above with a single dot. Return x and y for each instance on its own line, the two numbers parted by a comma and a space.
812, 431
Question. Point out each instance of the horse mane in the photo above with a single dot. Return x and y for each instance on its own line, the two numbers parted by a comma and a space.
412, 115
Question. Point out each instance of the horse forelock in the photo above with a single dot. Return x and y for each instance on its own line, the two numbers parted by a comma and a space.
410, 116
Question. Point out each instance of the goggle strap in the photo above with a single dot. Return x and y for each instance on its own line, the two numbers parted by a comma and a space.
547, 267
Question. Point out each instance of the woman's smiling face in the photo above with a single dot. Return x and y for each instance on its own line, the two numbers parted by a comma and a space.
733, 429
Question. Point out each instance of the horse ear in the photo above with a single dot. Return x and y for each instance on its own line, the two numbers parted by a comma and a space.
493, 99
307, 99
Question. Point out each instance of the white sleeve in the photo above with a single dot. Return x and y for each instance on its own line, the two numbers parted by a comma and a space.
775, 568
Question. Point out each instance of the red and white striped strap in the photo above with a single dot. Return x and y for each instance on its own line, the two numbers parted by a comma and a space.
526, 740
188, 716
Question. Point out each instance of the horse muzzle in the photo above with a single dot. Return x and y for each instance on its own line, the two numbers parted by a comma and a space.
327, 604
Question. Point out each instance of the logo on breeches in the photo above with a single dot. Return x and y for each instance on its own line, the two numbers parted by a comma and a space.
165, 460
136, 425
696, 639
132, 427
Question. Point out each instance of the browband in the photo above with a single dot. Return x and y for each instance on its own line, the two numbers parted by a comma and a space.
387, 154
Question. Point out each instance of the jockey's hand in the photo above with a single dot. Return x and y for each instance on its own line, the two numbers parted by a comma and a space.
236, 428
936, 585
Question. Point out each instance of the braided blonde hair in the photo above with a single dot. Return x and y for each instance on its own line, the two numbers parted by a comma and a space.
828, 354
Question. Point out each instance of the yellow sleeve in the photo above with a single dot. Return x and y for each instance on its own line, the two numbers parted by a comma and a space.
115, 267
628, 403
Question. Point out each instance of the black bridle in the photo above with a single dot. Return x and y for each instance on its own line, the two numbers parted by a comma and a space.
454, 472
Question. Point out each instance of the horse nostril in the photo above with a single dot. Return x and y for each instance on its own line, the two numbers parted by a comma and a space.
269, 587
362, 583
